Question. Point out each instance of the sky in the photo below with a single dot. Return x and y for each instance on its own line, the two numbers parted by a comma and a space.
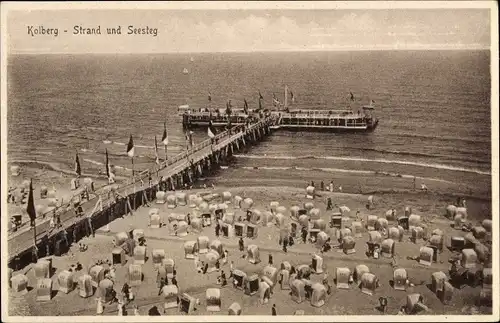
252, 30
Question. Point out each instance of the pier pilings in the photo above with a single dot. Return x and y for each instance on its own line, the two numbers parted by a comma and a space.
112, 203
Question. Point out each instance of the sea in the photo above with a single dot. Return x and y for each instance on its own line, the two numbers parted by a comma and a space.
433, 107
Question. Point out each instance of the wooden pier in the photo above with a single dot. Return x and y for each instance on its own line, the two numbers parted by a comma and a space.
113, 201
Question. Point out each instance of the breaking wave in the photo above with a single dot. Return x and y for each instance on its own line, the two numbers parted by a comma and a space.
385, 161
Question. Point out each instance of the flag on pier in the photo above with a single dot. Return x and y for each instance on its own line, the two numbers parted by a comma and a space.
292, 97
78, 169
352, 96
276, 102
211, 130
157, 159
164, 138
130, 147
245, 106
30, 208
260, 100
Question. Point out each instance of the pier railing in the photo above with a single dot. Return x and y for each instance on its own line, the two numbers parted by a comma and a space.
138, 182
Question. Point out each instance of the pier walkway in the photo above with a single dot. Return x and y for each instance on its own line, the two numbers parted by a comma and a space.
186, 167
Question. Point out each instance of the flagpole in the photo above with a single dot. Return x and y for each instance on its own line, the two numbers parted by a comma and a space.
34, 220
133, 173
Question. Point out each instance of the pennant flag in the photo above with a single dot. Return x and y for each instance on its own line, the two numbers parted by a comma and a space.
228, 108
30, 209
209, 97
260, 96
245, 106
78, 169
108, 170
157, 160
211, 130
372, 102
260, 104
292, 97
130, 147
164, 138
352, 96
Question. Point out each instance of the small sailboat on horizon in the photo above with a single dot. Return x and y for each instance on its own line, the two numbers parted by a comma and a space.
185, 71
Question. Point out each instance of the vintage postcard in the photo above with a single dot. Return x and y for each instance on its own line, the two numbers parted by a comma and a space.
280, 161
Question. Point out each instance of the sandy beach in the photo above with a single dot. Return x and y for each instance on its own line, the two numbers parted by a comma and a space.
340, 302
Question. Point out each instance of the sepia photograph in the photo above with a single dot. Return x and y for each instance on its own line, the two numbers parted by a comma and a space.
327, 161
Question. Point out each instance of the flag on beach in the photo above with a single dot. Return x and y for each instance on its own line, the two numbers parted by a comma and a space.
130, 147
209, 97
164, 138
157, 159
211, 130
352, 96
30, 208
260, 96
78, 169
108, 171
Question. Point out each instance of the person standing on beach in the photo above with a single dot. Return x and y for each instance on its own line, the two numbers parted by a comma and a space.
285, 244
331, 186
162, 284
304, 235
270, 260
100, 307
241, 244
217, 230
273, 310
322, 185
125, 292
